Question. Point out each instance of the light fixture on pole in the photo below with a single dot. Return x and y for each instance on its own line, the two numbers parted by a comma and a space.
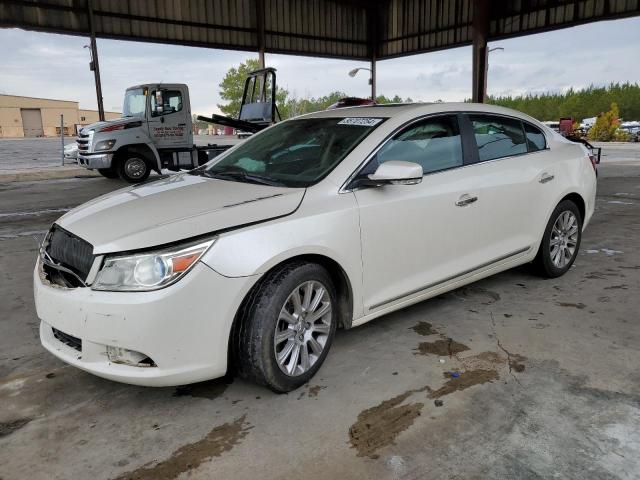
354, 72
487, 66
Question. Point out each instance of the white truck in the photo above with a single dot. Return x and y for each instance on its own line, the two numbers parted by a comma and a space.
155, 131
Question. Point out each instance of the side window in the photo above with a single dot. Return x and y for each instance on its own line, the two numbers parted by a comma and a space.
433, 143
535, 138
498, 137
164, 102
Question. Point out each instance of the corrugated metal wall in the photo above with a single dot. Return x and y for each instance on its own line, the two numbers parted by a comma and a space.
332, 28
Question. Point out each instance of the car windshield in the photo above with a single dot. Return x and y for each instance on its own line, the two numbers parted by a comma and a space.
135, 103
297, 153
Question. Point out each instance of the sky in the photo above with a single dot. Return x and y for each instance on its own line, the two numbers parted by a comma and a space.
57, 66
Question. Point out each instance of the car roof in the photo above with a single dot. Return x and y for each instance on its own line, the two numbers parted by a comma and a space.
410, 110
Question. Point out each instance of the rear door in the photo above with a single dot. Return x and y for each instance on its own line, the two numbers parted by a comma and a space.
32, 122
415, 237
506, 172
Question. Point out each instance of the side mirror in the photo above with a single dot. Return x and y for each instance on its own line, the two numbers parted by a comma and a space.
395, 172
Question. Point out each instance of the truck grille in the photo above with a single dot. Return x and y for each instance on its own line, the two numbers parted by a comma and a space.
83, 142
70, 251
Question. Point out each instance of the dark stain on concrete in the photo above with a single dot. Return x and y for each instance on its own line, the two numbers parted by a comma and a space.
617, 287
467, 380
424, 328
579, 306
211, 389
314, 390
480, 293
443, 348
7, 428
189, 457
516, 362
379, 426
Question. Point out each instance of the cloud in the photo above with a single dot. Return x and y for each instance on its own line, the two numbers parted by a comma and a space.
56, 66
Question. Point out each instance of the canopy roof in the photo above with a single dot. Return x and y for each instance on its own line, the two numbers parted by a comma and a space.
354, 29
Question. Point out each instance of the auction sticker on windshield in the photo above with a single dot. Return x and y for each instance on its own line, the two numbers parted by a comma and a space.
361, 121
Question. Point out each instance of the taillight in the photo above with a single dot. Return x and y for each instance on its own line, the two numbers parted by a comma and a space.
594, 161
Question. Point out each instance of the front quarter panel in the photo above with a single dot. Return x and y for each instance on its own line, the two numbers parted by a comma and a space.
326, 224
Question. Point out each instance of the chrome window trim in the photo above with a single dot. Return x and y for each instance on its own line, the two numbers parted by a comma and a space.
344, 189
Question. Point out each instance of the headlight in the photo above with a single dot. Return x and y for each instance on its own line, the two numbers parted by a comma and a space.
105, 145
149, 270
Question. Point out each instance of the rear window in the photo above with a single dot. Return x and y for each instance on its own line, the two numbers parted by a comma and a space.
535, 138
498, 137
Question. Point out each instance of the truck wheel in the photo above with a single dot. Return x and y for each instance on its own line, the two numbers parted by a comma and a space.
108, 172
133, 169
286, 327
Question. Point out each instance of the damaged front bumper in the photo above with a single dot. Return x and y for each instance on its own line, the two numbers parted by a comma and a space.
173, 336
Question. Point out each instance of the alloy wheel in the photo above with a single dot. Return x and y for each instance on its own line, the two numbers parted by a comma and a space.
564, 239
303, 328
135, 167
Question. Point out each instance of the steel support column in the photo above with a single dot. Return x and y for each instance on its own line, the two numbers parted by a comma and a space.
372, 80
260, 25
95, 66
480, 32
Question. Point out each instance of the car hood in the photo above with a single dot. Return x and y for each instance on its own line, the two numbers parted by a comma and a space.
175, 208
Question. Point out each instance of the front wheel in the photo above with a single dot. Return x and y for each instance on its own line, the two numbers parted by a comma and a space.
133, 169
286, 327
561, 241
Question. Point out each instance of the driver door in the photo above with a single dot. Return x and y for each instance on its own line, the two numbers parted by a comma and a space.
416, 236
168, 125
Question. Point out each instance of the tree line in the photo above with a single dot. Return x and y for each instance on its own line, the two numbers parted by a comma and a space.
579, 104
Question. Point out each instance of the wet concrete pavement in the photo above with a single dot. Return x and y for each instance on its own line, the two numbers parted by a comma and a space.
535, 378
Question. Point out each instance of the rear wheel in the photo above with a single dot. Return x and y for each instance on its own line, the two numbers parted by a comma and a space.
108, 172
286, 327
133, 169
561, 241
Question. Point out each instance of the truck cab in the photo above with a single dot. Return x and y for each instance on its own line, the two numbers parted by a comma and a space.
154, 132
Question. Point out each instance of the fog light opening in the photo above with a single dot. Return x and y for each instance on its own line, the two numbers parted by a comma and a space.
129, 357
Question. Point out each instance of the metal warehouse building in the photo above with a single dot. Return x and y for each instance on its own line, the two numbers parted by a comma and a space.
40, 117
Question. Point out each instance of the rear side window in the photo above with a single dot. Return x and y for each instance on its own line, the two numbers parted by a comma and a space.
535, 138
433, 143
498, 137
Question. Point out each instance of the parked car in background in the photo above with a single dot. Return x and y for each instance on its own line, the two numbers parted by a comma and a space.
324, 221
71, 151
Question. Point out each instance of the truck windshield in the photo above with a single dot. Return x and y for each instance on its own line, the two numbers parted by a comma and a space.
296, 153
135, 103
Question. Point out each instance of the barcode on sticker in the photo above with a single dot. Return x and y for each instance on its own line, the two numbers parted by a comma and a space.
361, 121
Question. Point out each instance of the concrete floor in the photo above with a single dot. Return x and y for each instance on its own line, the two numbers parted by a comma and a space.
549, 387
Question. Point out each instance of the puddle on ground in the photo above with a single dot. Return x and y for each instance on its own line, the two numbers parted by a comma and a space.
424, 328
468, 379
7, 428
442, 348
188, 457
379, 426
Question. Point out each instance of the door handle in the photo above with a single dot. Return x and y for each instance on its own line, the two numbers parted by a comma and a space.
465, 200
545, 177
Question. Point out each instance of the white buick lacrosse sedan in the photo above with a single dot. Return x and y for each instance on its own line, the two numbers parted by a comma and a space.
324, 221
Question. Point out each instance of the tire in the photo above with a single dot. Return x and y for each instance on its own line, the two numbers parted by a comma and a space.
108, 172
255, 347
565, 230
133, 169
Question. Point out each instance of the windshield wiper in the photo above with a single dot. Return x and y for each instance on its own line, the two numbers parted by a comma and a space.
244, 176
